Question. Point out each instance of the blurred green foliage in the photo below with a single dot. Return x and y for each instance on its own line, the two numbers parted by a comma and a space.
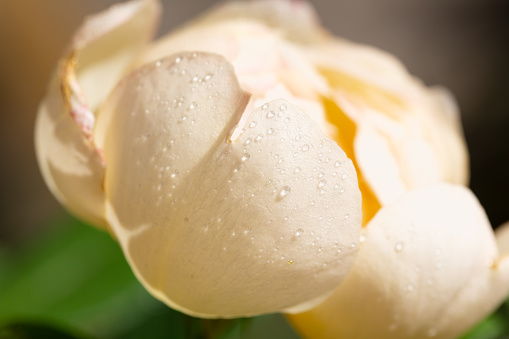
73, 282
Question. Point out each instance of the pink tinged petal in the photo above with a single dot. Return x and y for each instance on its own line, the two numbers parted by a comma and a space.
104, 45
267, 222
429, 267
295, 19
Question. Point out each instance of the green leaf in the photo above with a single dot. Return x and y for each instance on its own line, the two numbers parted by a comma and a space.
75, 277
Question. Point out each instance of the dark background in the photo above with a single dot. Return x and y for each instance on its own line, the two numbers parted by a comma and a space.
461, 44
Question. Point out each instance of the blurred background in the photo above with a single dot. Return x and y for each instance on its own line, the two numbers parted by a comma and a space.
461, 44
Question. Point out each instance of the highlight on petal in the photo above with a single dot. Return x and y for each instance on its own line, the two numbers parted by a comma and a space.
222, 226
429, 267
102, 48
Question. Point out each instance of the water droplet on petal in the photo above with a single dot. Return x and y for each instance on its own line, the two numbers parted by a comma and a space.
259, 137
192, 106
322, 183
265, 106
283, 107
337, 164
285, 191
252, 124
305, 148
398, 247
297, 170
270, 115
299, 232
245, 157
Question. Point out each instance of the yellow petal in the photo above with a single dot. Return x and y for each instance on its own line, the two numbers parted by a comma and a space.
268, 221
429, 267
101, 49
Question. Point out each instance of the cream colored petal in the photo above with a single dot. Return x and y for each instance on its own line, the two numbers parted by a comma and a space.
69, 162
102, 47
502, 234
267, 222
429, 267
379, 76
445, 132
422, 146
296, 20
377, 162
260, 56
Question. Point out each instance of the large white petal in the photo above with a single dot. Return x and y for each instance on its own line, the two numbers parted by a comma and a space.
99, 53
216, 227
429, 267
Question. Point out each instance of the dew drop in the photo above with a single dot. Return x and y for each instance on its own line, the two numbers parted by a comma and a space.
337, 164
265, 106
270, 131
259, 137
245, 156
362, 238
252, 124
178, 60
285, 191
158, 64
283, 107
398, 247
248, 141
305, 148
287, 120
297, 170
270, 115
192, 106
322, 183
344, 176
299, 232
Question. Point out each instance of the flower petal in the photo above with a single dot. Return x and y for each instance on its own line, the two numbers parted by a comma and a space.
295, 19
102, 48
429, 267
502, 234
220, 227
418, 128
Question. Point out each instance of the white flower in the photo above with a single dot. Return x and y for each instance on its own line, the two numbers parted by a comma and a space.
219, 157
